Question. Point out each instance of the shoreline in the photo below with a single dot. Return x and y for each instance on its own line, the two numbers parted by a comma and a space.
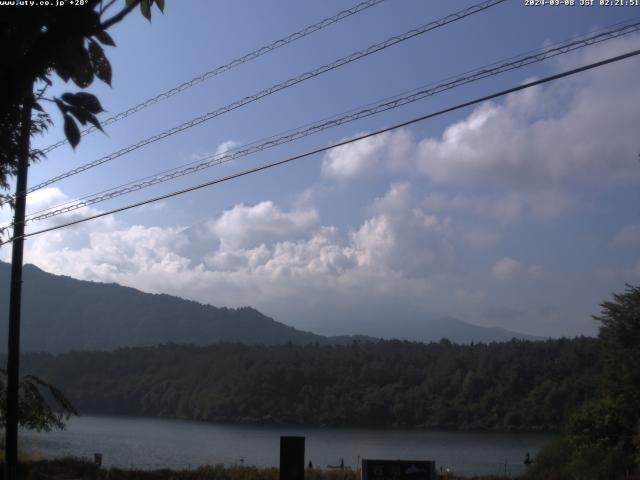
74, 467
260, 423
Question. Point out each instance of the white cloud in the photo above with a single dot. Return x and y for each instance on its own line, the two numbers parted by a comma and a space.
264, 222
262, 255
384, 151
396, 199
220, 150
505, 206
580, 129
577, 129
224, 147
38, 200
45, 198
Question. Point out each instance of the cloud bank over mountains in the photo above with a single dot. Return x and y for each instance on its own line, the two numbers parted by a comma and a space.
489, 217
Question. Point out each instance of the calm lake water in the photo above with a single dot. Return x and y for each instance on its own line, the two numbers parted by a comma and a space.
157, 443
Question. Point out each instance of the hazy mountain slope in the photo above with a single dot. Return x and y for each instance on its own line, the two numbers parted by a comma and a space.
61, 314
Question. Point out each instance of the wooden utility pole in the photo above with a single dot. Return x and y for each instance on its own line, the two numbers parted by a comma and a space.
13, 358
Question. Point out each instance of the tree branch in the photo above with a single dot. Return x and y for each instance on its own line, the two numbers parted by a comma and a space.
107, 6
119, 16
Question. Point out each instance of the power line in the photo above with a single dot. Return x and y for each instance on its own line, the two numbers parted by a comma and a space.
335, 145
276, 88
341, 119
226, 67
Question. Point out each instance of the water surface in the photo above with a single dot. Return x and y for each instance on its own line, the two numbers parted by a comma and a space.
159, 443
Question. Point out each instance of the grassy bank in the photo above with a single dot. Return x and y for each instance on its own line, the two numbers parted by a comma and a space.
71, 469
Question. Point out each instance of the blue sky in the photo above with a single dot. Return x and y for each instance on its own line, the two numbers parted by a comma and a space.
519, 213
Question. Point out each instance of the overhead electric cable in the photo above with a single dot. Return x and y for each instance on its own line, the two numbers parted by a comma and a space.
276, 88
226, 67
335, 145
341, 119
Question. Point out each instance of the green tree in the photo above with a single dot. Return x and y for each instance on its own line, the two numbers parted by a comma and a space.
42, 406
610, 423
38, 43
620, 337
601, 440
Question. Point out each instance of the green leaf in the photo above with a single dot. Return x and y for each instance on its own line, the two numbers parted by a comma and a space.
80, 114
63, 74
90, 102
105, 39
71, 131
129, 2
69, 98
145, 8
78, 62
85, 100
160, 4
63, 108
101, 65
95, 122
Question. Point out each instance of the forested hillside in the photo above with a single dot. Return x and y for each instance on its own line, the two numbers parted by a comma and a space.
512, 385
61, 313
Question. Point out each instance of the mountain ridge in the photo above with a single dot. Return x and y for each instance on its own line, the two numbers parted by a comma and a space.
61, 313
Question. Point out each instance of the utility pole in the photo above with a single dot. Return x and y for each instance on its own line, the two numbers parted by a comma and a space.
13, 358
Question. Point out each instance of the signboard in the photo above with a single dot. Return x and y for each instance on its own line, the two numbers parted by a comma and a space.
398, 470
291, 458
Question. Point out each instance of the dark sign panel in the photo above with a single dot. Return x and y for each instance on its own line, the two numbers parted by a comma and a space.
291, 458
398, 470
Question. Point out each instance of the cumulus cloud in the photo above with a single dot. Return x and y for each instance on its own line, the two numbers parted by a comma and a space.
39, 247
260, 254
526, 156
221, 149
261, 223
582, 129
36, 201
384, 151
396, 199
505, 206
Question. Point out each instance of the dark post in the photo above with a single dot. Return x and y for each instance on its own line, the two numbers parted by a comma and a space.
13, 358
291, 458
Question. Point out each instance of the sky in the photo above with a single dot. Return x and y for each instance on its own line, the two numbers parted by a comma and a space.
520, 213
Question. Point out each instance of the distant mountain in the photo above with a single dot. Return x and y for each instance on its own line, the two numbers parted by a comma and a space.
457, 331
61, 314
400, 321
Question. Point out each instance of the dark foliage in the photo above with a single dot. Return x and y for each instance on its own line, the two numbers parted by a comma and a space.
66, 468
38, 42
41, 406
513, 385
601, 439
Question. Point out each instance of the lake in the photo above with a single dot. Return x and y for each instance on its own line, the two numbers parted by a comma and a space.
158, 443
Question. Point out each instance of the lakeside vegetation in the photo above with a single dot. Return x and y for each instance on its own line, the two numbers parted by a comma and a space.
76, 468
517, 385
601, 438
588, 388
